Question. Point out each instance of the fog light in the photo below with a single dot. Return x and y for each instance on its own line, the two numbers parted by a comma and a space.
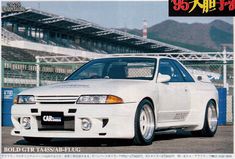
86, 124
26, 122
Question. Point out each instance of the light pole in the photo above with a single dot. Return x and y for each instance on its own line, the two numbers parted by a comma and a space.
225, 70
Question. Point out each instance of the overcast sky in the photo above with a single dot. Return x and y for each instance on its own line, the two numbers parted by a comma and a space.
117, 14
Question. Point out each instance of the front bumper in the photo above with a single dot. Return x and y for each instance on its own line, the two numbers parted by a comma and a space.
120, 120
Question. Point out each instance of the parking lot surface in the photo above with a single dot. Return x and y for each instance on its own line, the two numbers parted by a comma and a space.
164, 142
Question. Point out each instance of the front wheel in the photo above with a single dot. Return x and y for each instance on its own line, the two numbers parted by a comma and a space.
144, 123
210, 122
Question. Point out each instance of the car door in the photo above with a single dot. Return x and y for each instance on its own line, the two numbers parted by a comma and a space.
174, 97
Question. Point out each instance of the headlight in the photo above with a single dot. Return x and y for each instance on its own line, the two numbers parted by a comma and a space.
99, 99
24, 99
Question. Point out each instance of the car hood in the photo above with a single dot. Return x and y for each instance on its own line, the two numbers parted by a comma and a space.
91, 86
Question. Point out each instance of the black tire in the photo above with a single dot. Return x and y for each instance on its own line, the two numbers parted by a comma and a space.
139, 138
37, 140
206, 131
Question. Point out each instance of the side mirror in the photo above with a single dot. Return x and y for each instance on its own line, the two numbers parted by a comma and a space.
163, 78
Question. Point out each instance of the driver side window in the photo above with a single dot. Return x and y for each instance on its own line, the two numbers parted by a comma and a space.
95, 71
166, 67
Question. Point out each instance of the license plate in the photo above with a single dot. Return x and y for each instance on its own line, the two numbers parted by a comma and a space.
52, 118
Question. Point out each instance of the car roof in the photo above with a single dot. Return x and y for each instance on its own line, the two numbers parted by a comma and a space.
131, 56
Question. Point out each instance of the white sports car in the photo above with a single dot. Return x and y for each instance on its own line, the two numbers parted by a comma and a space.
120, 97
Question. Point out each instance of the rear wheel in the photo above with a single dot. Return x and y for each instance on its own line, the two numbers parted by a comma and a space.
144, 123
36, 140
210, 122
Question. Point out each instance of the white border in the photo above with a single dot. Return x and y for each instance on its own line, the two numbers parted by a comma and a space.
117, 156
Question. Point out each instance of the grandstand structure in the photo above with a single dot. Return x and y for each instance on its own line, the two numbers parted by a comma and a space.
25, 55
50, 29
28, 34
42, 38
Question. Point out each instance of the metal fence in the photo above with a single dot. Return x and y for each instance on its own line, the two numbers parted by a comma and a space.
24, 74
30, 74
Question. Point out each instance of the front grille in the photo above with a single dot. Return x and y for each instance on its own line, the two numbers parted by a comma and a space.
68, 125
56, 99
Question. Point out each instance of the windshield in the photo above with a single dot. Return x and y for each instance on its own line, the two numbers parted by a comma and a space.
116, 68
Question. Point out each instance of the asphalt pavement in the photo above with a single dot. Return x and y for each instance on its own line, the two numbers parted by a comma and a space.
164, 142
